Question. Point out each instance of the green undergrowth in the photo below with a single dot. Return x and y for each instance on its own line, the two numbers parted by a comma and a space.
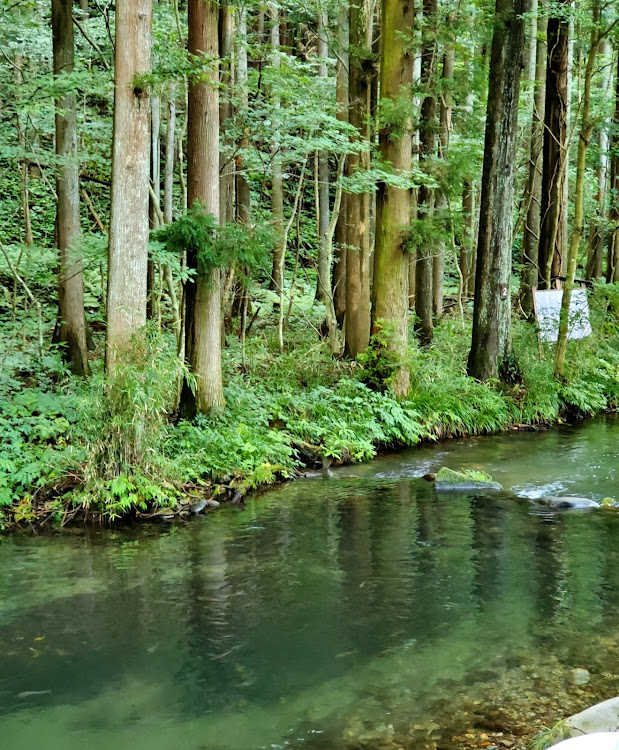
68, 446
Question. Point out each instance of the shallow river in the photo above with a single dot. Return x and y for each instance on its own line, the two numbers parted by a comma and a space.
360, 612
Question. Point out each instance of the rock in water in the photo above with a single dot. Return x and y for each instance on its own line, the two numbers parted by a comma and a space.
566, 503
598, 741
580, 676
446, 479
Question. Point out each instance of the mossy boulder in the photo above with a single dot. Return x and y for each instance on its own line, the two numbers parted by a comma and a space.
447, 479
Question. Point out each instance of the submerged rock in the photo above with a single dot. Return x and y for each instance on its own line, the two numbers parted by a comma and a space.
580, 676
565, 503
447, 479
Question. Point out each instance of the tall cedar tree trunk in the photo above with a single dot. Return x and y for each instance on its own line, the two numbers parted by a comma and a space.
243, 196
490, 346
390, 289
72, 324
360, 73
446, 108
530, 239
555, 148
427, 143
612, 267
203, 316
226, 164
586, 128
277, 185
323, 288
128, 240
339, 267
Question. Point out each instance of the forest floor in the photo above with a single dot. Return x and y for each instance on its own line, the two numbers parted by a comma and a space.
70, 451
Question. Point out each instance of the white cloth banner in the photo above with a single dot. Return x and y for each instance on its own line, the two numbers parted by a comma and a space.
548, 309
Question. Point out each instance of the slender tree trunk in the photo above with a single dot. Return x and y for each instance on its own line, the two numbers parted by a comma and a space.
581, 164
341, 238
563, 221
467, 266
490, 347
277, 185
128, 241
243, 195
323, 289
154, 204
412, 255
612, 265
533, 195
18, 64
170, 157
427, 143
555, 147
446, 108
226, 162
358, 204
390, 289
203, 311
72, 325
596, 242
168, 206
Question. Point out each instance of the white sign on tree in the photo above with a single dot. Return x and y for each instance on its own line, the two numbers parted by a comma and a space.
548, 310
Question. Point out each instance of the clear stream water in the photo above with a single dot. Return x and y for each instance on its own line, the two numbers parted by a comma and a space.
322, 611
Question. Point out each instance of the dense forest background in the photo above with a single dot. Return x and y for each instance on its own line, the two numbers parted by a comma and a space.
236, 238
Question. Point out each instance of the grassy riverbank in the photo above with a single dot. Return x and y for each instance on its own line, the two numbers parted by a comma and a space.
67, 451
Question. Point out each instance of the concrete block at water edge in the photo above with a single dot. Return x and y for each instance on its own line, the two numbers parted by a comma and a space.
603, 717
597, 741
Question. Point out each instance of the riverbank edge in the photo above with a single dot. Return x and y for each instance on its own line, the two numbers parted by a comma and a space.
192, 500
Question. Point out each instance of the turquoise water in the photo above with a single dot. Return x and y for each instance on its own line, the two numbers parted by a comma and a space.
347, 613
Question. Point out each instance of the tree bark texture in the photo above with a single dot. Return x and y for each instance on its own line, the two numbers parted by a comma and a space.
492, 308
243, 194
427, 144
323, 289
586, 129
445, 113
360, 73
341, 238
555, 148
226, 162
72, 323
533, 194
128, 240
612, 265
203, 312
277, 185
390, 288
